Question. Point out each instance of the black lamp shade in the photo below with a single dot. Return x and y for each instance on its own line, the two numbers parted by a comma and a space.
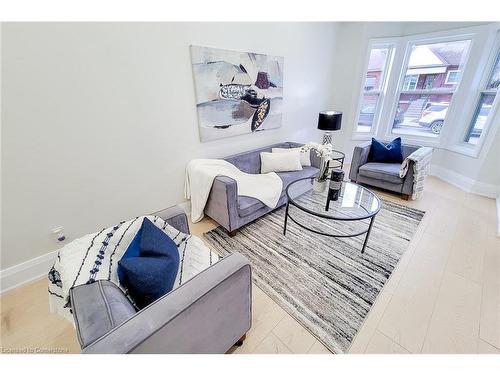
329, 120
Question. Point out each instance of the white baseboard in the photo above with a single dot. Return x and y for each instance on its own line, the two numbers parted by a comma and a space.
498, 216
23, 273
36, 268
186, 206
465, 183
487, 190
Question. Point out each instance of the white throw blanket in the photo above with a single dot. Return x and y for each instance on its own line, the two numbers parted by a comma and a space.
95, 257
421, 161
200, 175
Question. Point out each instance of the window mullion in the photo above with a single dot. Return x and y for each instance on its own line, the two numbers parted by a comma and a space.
485, 103
372, 88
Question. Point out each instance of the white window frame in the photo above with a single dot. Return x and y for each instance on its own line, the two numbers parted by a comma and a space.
447, 80
460, 145
364, 87
390, 44
440, 37
408, 86
478, 63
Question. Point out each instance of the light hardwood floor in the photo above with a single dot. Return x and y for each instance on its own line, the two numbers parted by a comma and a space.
443, 297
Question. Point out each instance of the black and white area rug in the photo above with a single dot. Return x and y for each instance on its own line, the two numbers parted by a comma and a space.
325, 283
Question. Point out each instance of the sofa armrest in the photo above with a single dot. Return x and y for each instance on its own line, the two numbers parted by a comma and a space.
222, 203
176, 217
408, 180
207, 314
359, 158
408, 149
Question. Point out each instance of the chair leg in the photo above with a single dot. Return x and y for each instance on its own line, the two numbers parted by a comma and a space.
406, 197
233, 233
240, 341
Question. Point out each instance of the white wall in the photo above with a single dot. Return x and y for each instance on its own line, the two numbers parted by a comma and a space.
490, 170
481, 174
99, 120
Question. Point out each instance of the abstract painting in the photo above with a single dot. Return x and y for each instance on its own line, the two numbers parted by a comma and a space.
236, 92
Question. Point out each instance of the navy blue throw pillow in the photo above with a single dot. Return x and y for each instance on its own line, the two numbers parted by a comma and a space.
148, 278
133, 250
150, 264
154, 242
386, 153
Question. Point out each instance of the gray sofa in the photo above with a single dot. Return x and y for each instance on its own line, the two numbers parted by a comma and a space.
208, 314
382, 175
232, 211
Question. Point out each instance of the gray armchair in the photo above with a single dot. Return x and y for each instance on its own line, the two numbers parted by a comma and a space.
382, 175
208, 314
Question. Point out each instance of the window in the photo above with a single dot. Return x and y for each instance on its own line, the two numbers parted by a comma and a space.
429, 81
415, 86
452, 77
431, 76
370, 83
374, 84
484, 105
410, 82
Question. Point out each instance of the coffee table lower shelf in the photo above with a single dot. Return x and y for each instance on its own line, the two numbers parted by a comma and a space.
368, 231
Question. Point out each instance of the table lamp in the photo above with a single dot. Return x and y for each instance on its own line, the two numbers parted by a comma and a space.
329, 121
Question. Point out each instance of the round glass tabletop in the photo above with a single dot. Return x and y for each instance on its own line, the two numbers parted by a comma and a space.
355, 202
337, 155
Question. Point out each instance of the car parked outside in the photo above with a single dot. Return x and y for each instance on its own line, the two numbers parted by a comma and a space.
433, 116
367, 114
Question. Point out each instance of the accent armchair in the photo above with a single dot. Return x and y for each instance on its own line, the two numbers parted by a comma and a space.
207, 314
382, 175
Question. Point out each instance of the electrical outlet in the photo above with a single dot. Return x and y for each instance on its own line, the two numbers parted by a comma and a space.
58, 233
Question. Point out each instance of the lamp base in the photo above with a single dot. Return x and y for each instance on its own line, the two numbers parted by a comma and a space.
327, 138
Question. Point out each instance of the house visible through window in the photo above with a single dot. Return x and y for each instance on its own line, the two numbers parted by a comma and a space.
484, 105
431, 77
429, 81
370, 83
415, 85
452, 77
410, 82
375, 78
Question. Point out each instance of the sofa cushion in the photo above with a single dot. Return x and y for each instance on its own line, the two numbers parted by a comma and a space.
280, 162
148, 278
248, 205
249, 161
381, 152
289, 177
155, 243
133, 250
150, 241
305, 156
382, 171
100, 307
152, 274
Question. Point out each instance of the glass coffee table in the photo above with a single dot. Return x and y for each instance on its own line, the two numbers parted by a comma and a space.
356, 207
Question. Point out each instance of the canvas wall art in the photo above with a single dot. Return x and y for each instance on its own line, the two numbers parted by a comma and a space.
236, 92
